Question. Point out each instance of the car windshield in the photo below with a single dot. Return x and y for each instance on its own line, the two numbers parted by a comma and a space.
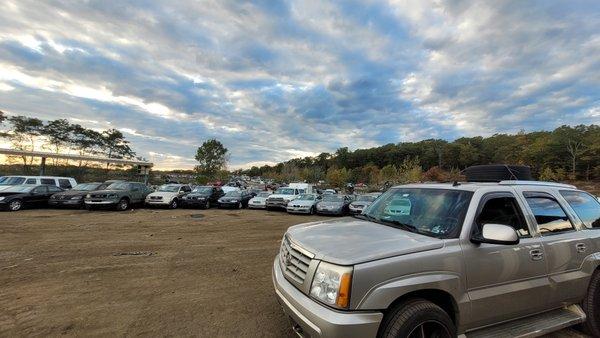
202, 190
366, 198
285, 191
333, 198
264, 194
306, 197
87, 186
13, 180
118, 186
233, 194
22, 188
168, 188
431, 212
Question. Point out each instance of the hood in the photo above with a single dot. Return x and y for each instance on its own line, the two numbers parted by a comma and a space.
164, 194
302, 202
199, 194
73, 193
228, 198
105, 192
260, 199
289, 197
331, 204
349, 241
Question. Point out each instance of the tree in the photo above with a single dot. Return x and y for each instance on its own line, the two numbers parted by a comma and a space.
114, 144
58, 134
25, 132
212, 158
2, 119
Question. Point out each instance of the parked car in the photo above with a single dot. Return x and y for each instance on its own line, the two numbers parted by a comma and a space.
334, 205
75, 196
305, 204
260, 200
362, 202
168, 195
282, 196
17, 197
508, 259
235, 199
119, 195
203, 197
61, 182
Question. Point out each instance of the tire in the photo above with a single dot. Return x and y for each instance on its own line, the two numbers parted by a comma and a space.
207, 206
417, 318
15, 205
123, 204
312, 210
591, 307
173, 204
241, 205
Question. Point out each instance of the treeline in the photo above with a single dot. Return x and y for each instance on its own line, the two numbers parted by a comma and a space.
566, 153
61, 136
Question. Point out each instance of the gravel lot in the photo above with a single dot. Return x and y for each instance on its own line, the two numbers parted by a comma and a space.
142, 272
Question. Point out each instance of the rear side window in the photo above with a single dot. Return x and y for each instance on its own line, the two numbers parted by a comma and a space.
53, 188
549, 215
503, 210
65, 184
48, 181
30, 181
586, 207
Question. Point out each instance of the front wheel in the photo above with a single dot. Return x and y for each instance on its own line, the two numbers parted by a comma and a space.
417, 318
207, 204
173, 204
15, 205
240, 205
591, 307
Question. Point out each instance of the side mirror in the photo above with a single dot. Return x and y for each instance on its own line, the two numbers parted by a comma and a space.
496, 234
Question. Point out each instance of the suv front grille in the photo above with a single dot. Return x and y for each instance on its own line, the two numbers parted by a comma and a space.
293, 261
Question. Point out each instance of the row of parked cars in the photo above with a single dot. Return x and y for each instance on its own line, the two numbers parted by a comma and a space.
18, 192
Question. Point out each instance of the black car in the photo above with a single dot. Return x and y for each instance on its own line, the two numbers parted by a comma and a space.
235, 199
26, 196
203, 197
75, 196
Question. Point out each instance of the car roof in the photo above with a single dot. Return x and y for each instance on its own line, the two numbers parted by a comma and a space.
473, 186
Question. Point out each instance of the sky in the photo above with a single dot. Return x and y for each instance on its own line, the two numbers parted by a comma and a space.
274, 80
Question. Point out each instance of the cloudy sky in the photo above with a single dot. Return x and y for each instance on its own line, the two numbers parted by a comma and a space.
279, 79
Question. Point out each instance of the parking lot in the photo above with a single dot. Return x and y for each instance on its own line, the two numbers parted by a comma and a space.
142, 272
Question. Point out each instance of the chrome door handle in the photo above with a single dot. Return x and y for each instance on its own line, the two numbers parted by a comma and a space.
536, 255
580, 247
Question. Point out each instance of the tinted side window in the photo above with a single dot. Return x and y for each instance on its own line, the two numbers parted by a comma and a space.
30, 181
586, 207
549, 215
503, 210
65, 184
40, 190
48, 181
53, 188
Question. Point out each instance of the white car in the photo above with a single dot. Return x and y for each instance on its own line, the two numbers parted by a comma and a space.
259, 201
61, 182
168, 195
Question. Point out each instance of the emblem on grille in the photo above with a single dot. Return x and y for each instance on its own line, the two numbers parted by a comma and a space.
287, 259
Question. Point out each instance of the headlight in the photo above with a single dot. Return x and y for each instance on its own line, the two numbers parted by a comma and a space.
76, 197
331, 285
1, 198
88, 196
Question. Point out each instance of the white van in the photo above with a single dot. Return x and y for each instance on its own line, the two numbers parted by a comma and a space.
304, 188
62, 182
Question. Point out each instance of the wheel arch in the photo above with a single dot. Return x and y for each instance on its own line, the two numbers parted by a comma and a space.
438, 297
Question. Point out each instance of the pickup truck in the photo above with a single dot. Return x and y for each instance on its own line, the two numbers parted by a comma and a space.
502, 259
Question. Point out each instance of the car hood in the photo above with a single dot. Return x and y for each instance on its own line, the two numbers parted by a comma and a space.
164, 194
229, 199
260, 199
104, 192
197, 194
302, 202
349, 241
73, 193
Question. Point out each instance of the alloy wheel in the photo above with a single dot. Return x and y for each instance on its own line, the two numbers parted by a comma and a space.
15, 205
430, 328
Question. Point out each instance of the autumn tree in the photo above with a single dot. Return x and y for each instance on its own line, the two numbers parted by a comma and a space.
212, 158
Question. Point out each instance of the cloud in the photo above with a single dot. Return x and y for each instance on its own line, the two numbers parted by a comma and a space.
275, 81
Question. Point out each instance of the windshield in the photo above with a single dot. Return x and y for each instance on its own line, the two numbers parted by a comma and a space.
23, 188
202, 190
168, 188
233, 194
432, 212
264, 194
87, 186
366, 198
118, 186
306, 198
13, 180
285, 191
333, 198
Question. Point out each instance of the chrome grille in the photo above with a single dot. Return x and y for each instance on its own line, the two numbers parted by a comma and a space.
293, 261
156, 197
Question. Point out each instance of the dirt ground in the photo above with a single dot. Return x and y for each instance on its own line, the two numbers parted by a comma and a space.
142, 272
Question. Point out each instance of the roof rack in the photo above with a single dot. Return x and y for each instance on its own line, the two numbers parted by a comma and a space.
542, 183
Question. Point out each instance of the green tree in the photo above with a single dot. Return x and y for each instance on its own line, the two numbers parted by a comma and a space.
212, 158
24, 133
389, 173
58, 134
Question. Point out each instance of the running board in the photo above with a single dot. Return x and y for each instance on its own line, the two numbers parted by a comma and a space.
533, 326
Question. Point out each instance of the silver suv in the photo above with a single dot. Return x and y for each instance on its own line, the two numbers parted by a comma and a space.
514, 258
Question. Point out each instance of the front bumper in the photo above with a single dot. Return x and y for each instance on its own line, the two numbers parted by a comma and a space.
355, 211
311, 319
194, 202
293, 210
257, 206
229, 204
157, 203
330, 212
276, 204
106, 203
